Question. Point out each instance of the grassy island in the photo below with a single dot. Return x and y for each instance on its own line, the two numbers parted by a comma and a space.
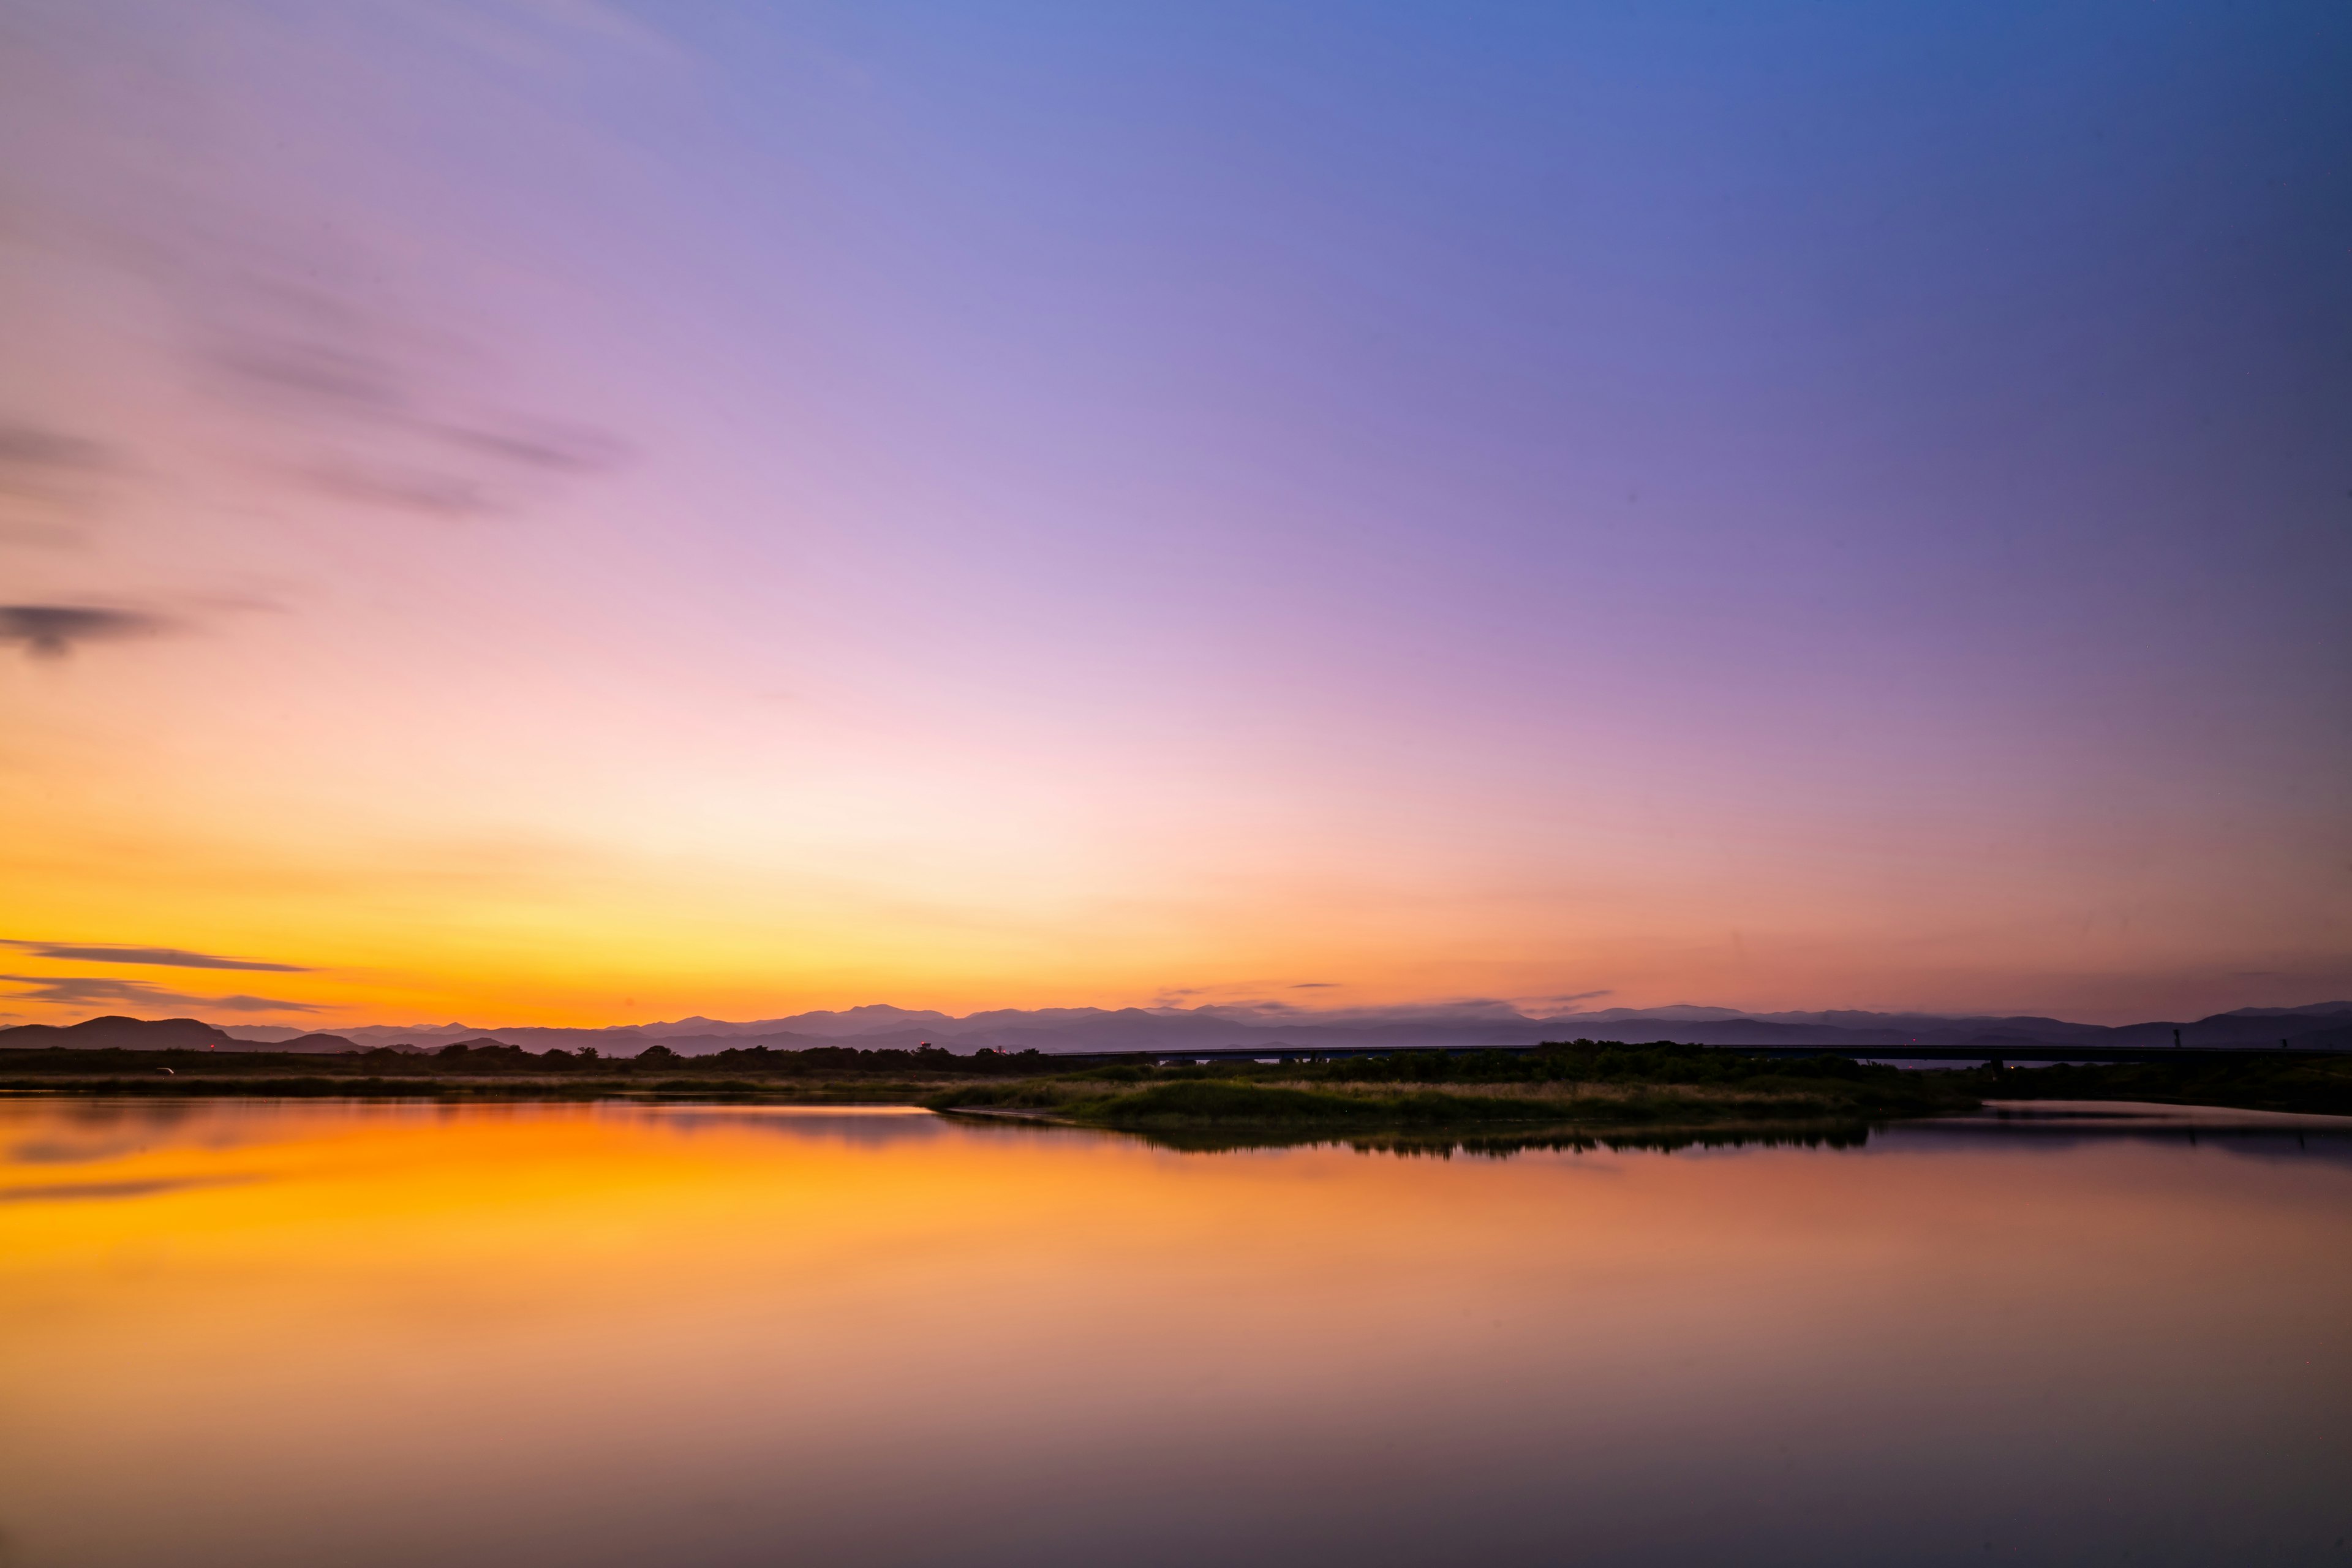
1559, 1087
1567, 1091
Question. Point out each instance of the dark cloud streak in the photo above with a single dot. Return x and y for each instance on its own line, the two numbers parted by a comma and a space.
358, 408
435, 494
243, 1004
71, 1192
73, 990
53, 631
566, 451
115, 952
312, 375
50, 482
25, 449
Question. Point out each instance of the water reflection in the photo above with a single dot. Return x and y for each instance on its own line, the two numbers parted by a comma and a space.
1502, 1145
72, 1192
591, 1334
2051, 1126
2047, 1123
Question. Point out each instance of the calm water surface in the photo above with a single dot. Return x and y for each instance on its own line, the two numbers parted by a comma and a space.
253, 1334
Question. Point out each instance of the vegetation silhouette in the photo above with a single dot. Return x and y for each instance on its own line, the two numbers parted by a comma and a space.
1580, 1084
2250, 1080
1503, 1145
1584, 1086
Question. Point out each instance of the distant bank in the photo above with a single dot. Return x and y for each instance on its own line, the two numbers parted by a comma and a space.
1586, 1082
1080, 1030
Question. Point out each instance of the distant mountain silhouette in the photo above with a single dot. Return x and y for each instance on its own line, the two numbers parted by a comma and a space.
1069, 1030
126, 1034
118, 1033
872, 1018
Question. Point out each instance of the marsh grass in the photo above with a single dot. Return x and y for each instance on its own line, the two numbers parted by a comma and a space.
1501, 1144
2248, 1080
1201, 1103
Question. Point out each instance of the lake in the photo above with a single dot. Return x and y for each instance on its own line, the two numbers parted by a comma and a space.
261, 1333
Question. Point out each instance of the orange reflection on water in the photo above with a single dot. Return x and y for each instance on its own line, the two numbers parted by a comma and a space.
248, 1334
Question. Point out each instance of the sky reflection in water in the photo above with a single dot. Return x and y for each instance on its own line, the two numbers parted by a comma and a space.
253, 1335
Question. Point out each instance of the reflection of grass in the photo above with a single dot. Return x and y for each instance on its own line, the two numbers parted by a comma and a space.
1499, 1144
1211, 1103
2249, 1080
1221, 1106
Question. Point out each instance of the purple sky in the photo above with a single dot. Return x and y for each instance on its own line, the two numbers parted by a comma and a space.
580, 511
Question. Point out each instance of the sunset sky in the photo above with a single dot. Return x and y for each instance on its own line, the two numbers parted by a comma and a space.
586, 511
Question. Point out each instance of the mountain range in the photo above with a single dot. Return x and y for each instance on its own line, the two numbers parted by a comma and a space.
1077, 1029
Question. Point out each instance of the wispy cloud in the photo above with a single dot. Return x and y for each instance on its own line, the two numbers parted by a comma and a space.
1474, 1009
49, 467
49, 481
420, 490
71, 1192
318, 350
242, 1003
1237, 995
114, 953
83, 990
80, 988
53, 631
1235, 1002
359, 406
28, 454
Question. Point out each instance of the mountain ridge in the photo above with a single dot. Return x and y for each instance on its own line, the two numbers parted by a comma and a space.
1068, 1030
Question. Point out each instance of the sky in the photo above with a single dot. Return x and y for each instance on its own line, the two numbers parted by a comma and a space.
584, 512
